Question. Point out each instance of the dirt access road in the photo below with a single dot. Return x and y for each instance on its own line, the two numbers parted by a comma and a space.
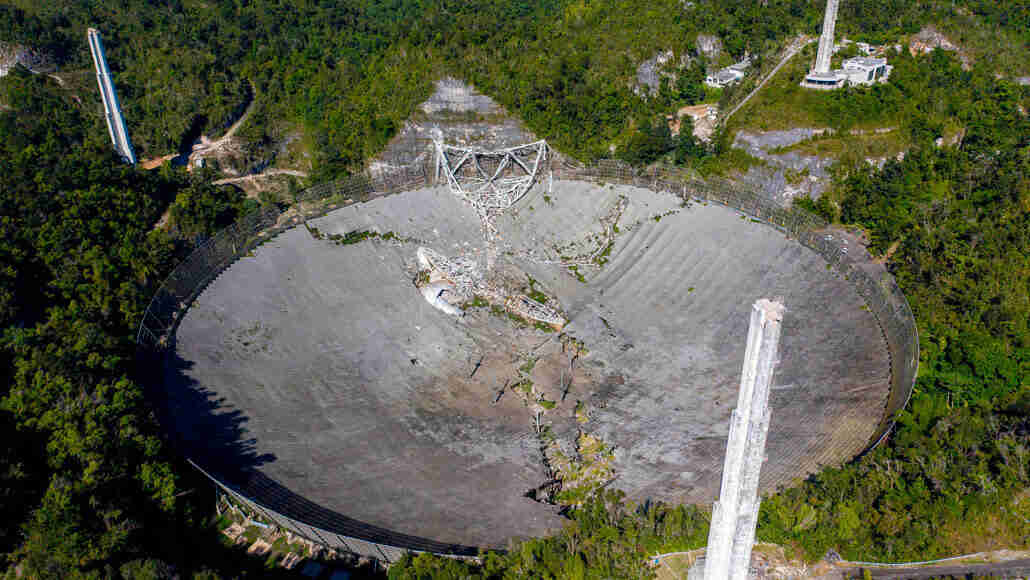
204, 145
794, 48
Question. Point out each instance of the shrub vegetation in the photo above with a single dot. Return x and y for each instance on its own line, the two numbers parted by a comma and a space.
90, 490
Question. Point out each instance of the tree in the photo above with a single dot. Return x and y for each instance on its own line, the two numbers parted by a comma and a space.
688, 148
690, 83
647, 144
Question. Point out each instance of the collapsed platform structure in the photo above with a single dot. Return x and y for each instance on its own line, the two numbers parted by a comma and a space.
491, 181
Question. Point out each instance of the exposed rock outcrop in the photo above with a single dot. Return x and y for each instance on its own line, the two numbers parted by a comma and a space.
709, 45
12, 55
463, 115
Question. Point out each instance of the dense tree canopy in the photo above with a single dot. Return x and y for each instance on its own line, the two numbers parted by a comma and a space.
83, 465
87, 489
347, 74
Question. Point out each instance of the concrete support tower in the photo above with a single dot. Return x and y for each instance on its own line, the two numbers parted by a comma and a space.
821, 77
822, 60
112, 109
735, 515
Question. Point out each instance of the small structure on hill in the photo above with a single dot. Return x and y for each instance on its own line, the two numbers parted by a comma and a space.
729, 75
112, 109
860, 70
868, 49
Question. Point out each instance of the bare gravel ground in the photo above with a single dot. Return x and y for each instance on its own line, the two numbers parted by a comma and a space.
785, 175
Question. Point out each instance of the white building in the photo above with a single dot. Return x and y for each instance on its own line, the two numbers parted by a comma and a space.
865, 70
866, 48
861, 70
724, 77
729, 75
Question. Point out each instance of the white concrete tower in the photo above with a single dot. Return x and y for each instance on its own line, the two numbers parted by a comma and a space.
112, 109
822, 60
735, 515
821, 77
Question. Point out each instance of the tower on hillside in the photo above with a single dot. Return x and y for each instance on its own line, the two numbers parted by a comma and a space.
735, 515
821, 77
822, 60
112, 109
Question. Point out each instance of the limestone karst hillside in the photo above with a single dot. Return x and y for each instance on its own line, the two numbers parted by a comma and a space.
585, 75
930, 170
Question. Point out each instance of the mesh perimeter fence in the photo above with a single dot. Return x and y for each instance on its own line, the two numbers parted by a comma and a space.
280, 507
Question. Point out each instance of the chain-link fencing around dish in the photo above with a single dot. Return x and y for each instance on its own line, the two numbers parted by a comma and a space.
286, 510
878, 289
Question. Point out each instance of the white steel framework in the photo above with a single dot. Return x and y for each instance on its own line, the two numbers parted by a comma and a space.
490, 180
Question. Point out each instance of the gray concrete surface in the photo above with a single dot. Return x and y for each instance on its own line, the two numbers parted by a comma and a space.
320, 366
666, 323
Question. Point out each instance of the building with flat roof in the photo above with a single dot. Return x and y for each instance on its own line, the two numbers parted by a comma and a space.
730, 74
826, 80
860, 70
865, 70
724, 77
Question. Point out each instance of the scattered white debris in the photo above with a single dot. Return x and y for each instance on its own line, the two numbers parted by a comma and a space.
446, 283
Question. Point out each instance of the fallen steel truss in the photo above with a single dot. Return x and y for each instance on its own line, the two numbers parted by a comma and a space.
464, 279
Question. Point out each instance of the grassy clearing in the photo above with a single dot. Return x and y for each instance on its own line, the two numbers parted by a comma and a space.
476, 302
866, 145
783, 104
674, 567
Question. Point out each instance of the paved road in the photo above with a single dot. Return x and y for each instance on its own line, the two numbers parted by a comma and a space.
1013, 569
791, 51
266, 173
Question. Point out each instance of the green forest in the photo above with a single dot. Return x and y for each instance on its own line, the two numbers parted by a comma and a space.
89, 488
